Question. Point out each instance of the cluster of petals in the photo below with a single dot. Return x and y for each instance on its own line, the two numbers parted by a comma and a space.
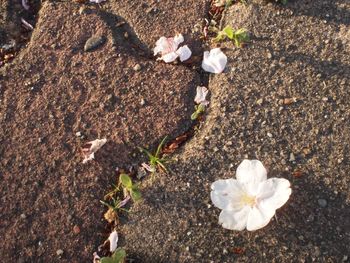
169, 49
97, 1
201, 95
214, 61
249, 201
90, 148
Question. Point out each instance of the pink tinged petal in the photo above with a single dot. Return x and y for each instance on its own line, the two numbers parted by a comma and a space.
251, 173
235, 219
259, 217
214, 61
148, 167
125, 201
161, 44
178, 39
184, 53
25, 4
226, 194
273, 193
170, 57
113, 241
201, 94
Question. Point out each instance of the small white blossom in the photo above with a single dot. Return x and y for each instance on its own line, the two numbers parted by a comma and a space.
251, 200
169, 51
90, 148
201, 94
113, 241
214, 61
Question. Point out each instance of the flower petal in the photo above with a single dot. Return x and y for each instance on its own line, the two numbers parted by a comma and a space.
113, 241
226, 194
201, 96
259, 217
251, 173
90, 148
274, 193
184, 53
214, 61
235, 219
170, 57
178, 39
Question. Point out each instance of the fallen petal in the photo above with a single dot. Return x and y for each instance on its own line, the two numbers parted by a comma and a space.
234, 220
90, 148
113, 241
214, 61
26, 24
148, 167
125, 201
25, 4
201, 94
170, 57
184, 53
97, 1
96, 258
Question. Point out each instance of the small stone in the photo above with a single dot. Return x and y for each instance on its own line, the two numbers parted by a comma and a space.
137, 67
322, 202
94, 42
126, 35
269, 135
59, 252
78, 134
23, 216
76, 229
260, 101
269, 55
40, 140
325, 99
82, 10
291, 157
142, 102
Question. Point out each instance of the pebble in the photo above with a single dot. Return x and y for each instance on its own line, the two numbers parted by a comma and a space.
78, 134
269, 55
137, 67
59, 252
94, 42
23, 216
82, 10
269, 135
322, 202
291, 157
76, 229
142, 102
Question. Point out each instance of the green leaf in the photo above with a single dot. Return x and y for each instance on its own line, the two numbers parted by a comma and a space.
135, 194
125, 180
228, 30
194, 116
118, 257
160, 146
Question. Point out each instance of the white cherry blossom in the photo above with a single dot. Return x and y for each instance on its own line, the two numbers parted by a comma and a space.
169, 51
214, 61
250, 201
113, 241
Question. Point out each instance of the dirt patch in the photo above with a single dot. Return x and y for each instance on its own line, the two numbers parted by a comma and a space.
52, 91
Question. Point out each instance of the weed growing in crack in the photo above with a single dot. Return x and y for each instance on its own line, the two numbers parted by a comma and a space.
239, 36
199, 109
118, 257
129, 188
155, 161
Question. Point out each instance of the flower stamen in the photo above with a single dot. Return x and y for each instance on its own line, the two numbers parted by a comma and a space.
248, 200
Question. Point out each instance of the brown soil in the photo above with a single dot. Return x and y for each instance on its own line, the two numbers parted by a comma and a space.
53, 90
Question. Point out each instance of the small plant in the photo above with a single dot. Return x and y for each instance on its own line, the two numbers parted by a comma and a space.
199, 109
129, 188
118, 257
155, 161
237, 36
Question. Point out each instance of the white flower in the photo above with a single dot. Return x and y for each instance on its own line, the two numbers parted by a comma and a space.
214, 61
113, 241
169, 51
250, 201
90, 148
202, 92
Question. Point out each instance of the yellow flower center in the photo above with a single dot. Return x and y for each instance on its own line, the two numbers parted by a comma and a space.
248, 200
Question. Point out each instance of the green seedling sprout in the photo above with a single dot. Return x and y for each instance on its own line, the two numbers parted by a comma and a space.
237, 36
115, 205
199, 109
129, 187
118, 257
155, 161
